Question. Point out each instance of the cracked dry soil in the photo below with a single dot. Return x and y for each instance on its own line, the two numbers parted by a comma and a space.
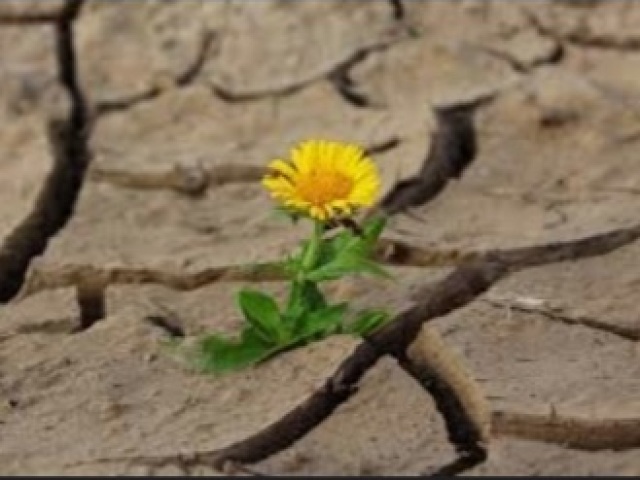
508, 137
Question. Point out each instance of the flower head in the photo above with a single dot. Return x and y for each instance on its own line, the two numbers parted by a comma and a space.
324, 179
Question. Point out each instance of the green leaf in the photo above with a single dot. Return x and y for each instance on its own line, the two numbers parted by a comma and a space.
312, 296
350, 243
261, 311
322, 322
291, 265
367, 321
373, 229
304, 296
217, 354
334, 245
347, 253
343, 265
341, 244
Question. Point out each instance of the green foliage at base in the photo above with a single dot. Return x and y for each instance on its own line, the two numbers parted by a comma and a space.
307, 315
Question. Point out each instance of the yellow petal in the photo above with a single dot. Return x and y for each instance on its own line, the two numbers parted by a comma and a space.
317, 212
282, 167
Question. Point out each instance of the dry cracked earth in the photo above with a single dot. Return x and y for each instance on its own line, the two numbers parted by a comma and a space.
133, 138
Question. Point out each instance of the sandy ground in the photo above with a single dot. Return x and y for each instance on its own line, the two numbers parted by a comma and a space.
187, 101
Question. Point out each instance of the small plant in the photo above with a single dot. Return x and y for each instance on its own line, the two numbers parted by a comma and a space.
325, 182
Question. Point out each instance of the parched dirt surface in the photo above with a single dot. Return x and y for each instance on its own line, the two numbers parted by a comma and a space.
133, 138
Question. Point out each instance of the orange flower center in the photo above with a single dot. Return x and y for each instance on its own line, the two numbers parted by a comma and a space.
320, 187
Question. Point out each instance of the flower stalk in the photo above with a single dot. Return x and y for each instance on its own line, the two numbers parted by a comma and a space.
310, 256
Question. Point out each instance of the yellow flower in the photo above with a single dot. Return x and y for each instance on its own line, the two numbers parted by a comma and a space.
324, 179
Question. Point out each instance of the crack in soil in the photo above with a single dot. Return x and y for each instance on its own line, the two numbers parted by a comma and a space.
78, 275
402, 254
346, 87
90, 297
462, 431
459, 465
584, 37
68, 139
340, 76
571, 432
183, 79
453, 148
170, 326
458, 396
553, 57
337, 75
30, 18
627, 333
191, 180
397, 9
458, 289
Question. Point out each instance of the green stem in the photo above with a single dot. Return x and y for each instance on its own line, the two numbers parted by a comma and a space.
299, 282
310, 257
